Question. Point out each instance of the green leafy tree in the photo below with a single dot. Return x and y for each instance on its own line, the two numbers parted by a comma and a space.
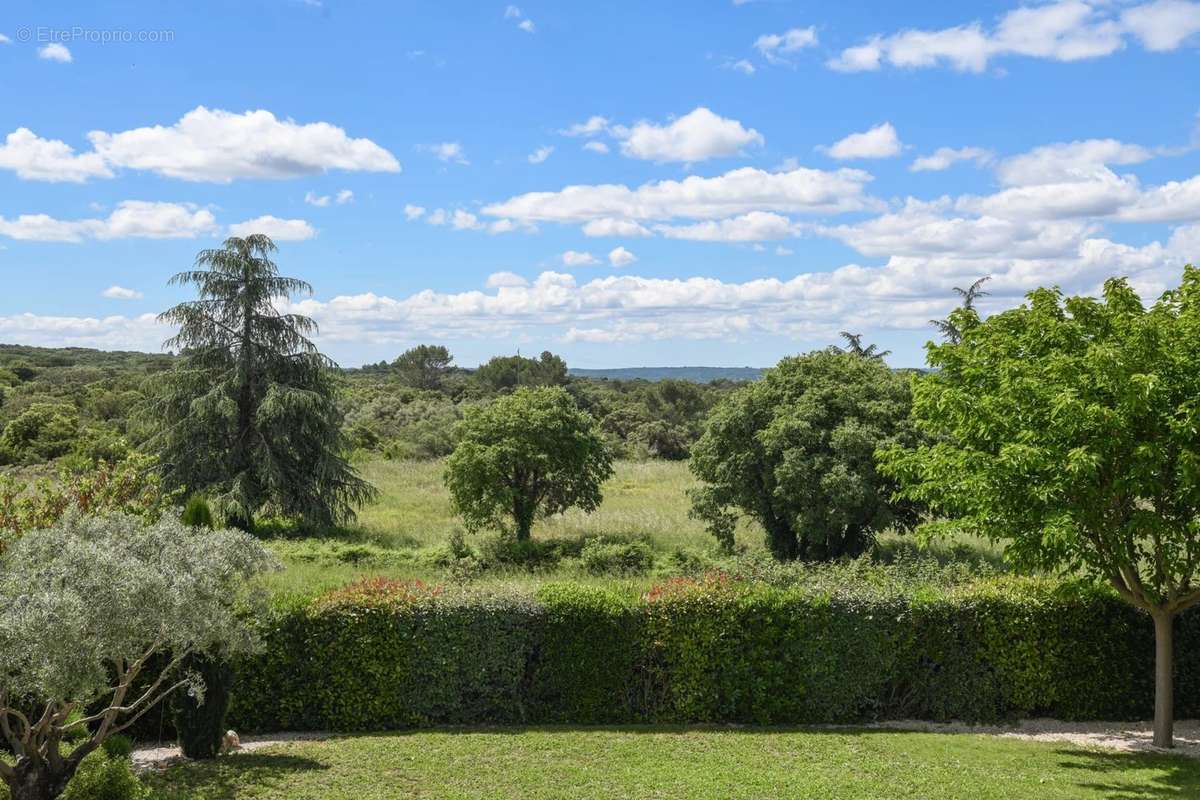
423, 367
795, 452
96, 606
1069, 429
249, 417
504, 373
526, 456
41, 432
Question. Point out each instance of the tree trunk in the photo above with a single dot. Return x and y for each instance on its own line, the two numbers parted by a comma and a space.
1164, 679
36, 783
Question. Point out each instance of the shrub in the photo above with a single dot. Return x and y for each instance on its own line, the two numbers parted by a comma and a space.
616, 558
199, 718
197, 514
104, 777
841, 643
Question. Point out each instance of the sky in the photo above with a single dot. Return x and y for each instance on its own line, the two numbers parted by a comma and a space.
715, 183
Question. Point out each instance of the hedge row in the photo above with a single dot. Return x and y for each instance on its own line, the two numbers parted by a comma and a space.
707, 651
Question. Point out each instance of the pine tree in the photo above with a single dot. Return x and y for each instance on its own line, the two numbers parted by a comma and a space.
249, 417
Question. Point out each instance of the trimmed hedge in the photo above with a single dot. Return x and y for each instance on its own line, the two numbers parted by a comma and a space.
708, 650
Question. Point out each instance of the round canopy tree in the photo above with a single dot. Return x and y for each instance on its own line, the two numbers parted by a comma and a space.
795, 452
526, 456
249, 418
1069, 429
92, 608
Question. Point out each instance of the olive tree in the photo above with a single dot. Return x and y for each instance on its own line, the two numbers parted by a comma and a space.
526, 456
795, 452
96, 615
1069, 429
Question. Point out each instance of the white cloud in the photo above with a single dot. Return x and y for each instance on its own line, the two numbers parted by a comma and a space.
447, 151
527, 26
55, 51
281, 230
774, 46
595, 147
575, 258
742, 65
614, 227
115, 292
343, 197
464, 221
1067, 30
505, 279
413, 212
320, 201
512, 12
620, 257
1163, 25
594, 126
696, 136
541, 154
756, 226
35, 159
878, 142
1069, 161
780, 250
946, 157
524, 23
4, 39
219, 146
130, 219
738, 191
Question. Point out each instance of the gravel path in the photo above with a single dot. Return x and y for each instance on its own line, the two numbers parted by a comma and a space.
1126, 736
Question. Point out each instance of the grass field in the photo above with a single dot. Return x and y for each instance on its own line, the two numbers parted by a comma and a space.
665, 763
400, 534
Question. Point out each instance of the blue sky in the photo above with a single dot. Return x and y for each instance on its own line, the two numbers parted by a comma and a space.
717, 183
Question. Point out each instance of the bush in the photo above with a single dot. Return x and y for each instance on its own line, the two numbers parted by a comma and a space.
197, 514
616, 558
103, 777
200, 719
845, 643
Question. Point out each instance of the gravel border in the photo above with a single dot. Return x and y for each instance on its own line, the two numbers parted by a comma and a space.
1124, 736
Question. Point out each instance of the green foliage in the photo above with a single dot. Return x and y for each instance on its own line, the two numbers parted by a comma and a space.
199, 717
839, 644
197, 514
41, 432
523, 457
602, 557
795, 451
105, 777
1070, 430
93, 604
503, 373
129, 486
423, 367
249, 417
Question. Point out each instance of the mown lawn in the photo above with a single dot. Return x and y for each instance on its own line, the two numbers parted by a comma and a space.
681, 763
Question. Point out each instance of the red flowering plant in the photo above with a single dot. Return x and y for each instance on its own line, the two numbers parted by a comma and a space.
378, 593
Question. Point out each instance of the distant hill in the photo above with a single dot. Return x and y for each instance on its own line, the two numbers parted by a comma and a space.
694, 374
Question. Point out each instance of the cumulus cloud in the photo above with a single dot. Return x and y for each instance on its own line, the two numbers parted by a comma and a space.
413, 212
55, 51
736, 192
33, 158
946, 157
523, 22
593, 126
756, 226
775, 47
281, 230
220, 146
696, 136
614, 227
620, 257
742, 65
130, 219
878, 142
115, 292
575, 258
505, 279
595, 147
1067, 161
1067, 30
